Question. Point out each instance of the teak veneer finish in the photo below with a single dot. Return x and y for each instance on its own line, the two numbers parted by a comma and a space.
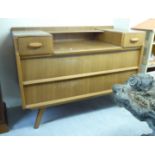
59, 65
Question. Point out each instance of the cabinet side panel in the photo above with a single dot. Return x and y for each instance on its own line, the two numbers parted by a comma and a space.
20, 78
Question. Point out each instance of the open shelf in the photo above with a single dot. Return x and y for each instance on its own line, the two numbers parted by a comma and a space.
79, 46
72, 43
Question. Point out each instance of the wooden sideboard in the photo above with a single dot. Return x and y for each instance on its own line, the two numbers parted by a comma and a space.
58, 65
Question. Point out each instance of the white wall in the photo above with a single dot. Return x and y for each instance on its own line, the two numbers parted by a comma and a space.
59, 13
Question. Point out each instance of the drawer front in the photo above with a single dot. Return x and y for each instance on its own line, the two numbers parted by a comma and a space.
133, 40
72, 88
52, 67
35, 45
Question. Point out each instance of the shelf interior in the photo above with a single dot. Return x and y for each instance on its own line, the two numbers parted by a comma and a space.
82, 46
80, 42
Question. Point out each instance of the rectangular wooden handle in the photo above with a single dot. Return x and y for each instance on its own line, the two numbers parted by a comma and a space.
35, 45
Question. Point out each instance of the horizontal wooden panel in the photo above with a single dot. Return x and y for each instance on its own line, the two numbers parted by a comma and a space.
61, 29
77, 76
49, 67
59, 90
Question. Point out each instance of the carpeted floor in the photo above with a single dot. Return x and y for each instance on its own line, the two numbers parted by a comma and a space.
95, 117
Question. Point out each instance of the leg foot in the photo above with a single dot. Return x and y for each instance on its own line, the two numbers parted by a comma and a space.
39, 117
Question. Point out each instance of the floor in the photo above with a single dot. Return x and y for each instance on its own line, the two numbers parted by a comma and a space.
96, 117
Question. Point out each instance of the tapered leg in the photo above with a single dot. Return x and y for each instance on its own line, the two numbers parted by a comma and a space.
39, 117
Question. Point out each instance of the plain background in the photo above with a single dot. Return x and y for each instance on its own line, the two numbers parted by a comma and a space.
66, 12
58, 13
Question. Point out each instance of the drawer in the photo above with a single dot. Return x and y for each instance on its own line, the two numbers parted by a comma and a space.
78, 64
39, 45
133, 39
64, 90
123, 39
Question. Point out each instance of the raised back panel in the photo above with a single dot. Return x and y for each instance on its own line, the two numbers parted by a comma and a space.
74, 36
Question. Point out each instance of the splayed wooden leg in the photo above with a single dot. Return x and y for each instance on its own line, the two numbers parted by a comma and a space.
39, 117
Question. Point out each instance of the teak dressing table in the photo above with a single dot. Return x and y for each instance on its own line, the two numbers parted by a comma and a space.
58, 65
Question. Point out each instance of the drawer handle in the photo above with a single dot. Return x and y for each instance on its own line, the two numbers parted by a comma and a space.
134, 40
35, 45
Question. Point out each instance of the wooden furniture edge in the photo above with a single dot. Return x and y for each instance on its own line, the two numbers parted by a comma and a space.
64, 29
20, 76
142, 29
141, 58
83, 52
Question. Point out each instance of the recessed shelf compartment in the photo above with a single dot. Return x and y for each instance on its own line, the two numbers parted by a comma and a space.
82, 46
78, 43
